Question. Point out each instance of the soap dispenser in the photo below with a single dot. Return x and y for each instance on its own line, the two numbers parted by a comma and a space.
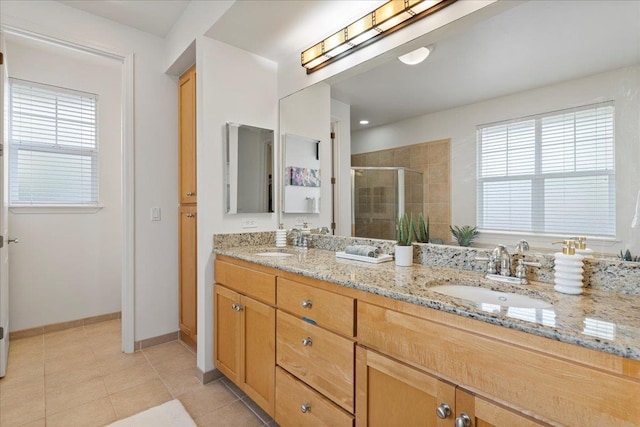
567, 269
581, 247
281, 237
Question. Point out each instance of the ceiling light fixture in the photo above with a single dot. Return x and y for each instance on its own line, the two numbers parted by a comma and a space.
388, 18
416, 56
364, 122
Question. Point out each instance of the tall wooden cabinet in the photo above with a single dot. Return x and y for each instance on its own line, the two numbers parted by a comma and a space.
187, 257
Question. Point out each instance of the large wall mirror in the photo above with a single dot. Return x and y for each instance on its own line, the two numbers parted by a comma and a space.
249, 169
521, 59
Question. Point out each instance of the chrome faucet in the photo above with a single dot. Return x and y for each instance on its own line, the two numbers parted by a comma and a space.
299, 240
501, 255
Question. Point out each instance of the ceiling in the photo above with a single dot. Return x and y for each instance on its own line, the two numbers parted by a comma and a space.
533, 44
151, 16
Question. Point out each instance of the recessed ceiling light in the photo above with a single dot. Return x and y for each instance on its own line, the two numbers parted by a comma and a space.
416, 56
364, 122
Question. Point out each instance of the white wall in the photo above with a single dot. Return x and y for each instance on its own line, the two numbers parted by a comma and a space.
156, 152
67, 266
341, 123
459, 124
232, 86
308, 113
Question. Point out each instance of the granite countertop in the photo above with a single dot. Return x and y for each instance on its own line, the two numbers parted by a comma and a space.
599, 320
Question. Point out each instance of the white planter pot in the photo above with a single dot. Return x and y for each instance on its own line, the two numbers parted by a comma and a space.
404, 256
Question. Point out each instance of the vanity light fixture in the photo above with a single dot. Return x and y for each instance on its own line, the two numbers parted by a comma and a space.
416, 56
388, 18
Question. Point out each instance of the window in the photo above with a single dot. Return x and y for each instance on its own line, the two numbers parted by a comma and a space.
54, 145
552, 173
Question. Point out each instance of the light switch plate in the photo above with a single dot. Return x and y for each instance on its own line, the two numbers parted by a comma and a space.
156, 214
249, 223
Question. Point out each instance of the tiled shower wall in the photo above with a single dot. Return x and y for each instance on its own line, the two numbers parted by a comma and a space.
433, 160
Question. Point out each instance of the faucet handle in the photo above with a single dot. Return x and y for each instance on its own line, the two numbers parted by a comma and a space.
522, 246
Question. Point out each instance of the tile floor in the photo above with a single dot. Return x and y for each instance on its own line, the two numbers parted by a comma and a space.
79, 377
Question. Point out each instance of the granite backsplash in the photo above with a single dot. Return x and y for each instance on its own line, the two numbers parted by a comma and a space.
609, 275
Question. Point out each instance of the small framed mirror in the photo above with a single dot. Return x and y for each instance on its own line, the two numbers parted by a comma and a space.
249, 169
301, 160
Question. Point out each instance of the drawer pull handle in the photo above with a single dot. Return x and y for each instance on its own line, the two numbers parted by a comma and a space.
307, 341
190, 215
190, 193
237, 307
307, 303
463, 420
443, 411
305, 408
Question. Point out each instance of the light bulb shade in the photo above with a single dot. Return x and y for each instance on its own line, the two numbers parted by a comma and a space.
416, 56
386, 19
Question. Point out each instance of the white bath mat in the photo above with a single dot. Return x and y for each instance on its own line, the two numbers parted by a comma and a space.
170, 414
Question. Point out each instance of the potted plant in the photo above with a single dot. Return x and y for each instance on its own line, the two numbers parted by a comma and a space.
422, 230
464, 235
405, 230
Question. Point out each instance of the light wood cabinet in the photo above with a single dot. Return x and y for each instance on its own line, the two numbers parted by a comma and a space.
300, 405
188, 250
320, 358
389, 393
529, 381
404, 361
244, 344
188, 274
187, 136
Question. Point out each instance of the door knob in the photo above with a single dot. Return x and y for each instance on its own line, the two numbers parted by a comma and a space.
13, 240
463, 420
443, 411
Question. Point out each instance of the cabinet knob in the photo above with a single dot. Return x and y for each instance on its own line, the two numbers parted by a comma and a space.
305, 408
307, 341
307, 303
190, 193
190, 215
463, 420
237, 307
443, 411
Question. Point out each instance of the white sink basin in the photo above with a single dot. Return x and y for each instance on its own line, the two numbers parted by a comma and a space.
274, 254
487, 296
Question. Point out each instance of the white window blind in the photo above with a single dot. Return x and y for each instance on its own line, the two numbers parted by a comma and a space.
53, 145
552, 173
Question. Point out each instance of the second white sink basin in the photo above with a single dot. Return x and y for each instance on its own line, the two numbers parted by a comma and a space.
274, 254
487, 296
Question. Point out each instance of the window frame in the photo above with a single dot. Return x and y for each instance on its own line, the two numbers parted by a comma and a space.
538, 177
93, 152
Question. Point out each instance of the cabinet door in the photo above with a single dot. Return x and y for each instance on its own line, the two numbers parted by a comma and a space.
390, 393
188, 272
187, 136
484, 413
259, 366
227, 329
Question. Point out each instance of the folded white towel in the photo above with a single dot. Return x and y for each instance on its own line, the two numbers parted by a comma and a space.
363, 250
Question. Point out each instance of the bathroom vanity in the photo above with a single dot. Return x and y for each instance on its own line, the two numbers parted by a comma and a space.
315, 340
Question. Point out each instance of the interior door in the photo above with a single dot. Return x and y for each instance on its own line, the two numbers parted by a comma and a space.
4, 223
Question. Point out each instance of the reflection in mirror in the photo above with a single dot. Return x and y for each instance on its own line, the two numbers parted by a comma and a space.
528, 59
249, 169
301, 175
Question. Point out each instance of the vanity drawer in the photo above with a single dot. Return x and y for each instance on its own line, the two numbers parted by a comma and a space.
252, 283
322, 359
327, 309
299, 405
